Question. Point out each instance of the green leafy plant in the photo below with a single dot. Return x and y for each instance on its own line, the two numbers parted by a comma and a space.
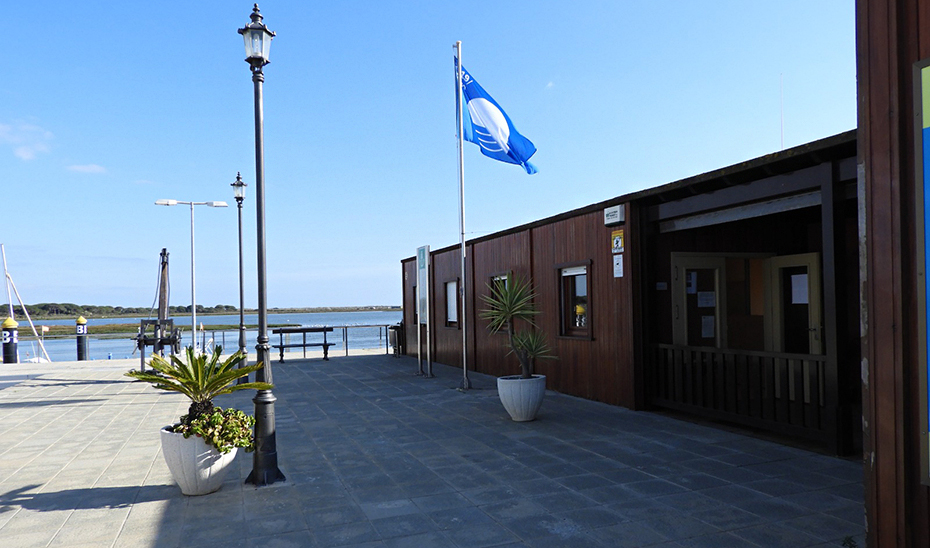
201, 378
510, 301
224, 429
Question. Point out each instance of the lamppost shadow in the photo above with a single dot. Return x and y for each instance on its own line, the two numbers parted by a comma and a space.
84, 498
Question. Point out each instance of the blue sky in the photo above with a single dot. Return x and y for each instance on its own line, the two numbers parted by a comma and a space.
107, 107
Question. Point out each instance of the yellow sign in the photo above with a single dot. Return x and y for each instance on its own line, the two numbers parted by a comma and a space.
616, 241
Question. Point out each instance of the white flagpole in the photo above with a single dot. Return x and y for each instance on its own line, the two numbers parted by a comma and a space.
459, 100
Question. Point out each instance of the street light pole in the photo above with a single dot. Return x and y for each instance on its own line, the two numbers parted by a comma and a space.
193, 281
193, 287
239, 192
265, 470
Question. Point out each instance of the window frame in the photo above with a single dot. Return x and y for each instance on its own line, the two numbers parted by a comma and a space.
506, 275
457, 324
567, 331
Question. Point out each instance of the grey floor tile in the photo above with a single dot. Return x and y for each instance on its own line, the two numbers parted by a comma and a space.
776, 535
377, 457
389, 508
423, 540
459, 518
403, 525
480, 536
317, 518
628, 534
349, 533
592, 518
678, 526
544, 525
823, 527
514, 509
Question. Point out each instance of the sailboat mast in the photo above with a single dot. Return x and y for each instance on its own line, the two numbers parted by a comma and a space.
6, 278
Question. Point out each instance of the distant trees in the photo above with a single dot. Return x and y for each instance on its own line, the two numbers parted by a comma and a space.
71, 310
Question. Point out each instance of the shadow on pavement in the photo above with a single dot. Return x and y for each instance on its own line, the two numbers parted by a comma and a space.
84, 498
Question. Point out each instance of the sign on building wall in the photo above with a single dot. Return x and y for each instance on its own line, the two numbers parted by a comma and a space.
922, 226
423, 285
616, 241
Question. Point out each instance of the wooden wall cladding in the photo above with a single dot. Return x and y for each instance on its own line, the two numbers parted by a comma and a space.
599, 367
509, 254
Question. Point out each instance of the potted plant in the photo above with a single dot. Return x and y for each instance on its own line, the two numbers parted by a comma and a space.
200, 447
509, 301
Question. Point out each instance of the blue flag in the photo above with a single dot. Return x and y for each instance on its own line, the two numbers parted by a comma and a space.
486, 124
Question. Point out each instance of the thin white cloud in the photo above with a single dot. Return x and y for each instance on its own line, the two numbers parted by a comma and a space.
550, 85
26, 140
88, 168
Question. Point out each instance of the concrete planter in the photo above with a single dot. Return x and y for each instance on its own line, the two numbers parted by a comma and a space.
198, 468
521, 397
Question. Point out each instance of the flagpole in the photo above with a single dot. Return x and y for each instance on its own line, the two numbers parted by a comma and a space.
466, 384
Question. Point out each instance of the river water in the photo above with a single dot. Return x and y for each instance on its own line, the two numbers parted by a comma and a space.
65, 348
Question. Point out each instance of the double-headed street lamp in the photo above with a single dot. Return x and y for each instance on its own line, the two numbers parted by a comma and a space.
265, 470
193, 284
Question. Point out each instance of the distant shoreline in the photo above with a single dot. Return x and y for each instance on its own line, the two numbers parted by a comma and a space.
310, 310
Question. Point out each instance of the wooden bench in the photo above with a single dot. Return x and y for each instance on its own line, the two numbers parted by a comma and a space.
281, 331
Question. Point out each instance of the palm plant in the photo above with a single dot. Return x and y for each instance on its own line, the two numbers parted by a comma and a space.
509, 301
201, 378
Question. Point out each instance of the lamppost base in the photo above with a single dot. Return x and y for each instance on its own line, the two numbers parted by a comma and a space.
265, 458
265, 477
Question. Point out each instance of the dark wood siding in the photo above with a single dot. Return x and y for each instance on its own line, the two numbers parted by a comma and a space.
409, 269
509, 254
446, 341
891, 36
598, 368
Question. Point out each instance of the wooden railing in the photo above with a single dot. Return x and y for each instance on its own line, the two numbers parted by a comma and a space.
779, 392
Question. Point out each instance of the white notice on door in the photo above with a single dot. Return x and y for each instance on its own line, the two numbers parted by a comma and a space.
707, 299
799, 289
707, 327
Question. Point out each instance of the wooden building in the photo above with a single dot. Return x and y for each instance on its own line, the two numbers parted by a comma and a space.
745, 234
732, 296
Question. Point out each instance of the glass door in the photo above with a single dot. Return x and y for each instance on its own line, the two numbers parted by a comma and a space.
699, 302
795, 322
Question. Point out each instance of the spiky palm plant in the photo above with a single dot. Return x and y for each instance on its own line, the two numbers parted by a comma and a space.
201, 378
511, 300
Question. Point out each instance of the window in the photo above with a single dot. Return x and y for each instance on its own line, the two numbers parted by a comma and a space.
452, 303
576, 314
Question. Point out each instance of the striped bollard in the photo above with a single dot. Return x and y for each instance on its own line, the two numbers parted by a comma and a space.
10, 340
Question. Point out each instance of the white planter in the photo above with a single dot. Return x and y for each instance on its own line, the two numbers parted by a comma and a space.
521, 397
198, 468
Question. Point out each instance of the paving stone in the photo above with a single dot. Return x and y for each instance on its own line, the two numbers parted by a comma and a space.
377, 457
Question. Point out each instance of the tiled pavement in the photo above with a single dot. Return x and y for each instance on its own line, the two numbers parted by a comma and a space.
377, 457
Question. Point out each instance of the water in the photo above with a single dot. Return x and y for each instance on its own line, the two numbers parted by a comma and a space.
65, 349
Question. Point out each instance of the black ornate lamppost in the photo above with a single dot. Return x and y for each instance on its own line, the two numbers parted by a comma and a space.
239, 193
265, 458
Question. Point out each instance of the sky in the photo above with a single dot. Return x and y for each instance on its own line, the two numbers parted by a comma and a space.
107, 107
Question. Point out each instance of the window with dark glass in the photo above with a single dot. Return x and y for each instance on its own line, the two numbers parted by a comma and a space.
574, 301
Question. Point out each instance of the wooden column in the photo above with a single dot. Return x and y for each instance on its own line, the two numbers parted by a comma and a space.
831, 227
891, 36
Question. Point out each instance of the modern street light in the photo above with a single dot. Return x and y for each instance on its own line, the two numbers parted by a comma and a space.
239, 192
193, 284
265, 470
